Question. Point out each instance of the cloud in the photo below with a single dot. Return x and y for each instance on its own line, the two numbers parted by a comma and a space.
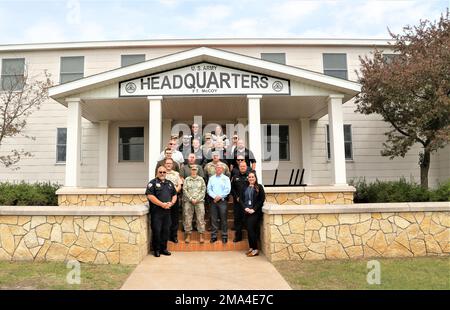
44, 31
209, 17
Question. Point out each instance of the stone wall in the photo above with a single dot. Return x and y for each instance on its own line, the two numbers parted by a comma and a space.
135, 196
310, 195
88, 236
83, 200
352, 231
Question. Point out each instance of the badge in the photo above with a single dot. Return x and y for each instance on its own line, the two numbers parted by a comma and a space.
149, 185
158, 185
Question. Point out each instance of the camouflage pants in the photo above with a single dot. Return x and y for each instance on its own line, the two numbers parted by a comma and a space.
188, 211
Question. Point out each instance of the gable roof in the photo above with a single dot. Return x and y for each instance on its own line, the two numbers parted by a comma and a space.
204, 54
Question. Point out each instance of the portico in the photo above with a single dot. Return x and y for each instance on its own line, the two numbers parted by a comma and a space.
294, 97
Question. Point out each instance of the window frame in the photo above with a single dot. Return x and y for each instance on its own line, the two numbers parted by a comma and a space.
119, 160
335, 69
328, 146
2, 75
288, 142
67, 73
59, 145
125, 55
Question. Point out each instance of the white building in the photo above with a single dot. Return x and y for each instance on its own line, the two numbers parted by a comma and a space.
108, 93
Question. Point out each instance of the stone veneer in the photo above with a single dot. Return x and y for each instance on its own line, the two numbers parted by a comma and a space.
99, 235
356, 231
135, 196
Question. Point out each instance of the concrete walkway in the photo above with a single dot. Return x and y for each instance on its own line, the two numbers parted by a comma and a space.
230, 270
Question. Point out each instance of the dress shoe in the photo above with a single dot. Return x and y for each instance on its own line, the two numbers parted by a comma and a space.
224, 240
174, 239
237, 239
213, 240
165, 252
157, 254
253, 253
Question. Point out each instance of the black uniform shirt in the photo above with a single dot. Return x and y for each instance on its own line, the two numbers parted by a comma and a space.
163, 190
238, 182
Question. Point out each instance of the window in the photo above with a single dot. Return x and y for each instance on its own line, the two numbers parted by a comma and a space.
131, 144
13, 74
335, 65
72, 68
283, 141
388, 58
127, 60
347, 142
274, 57
61, 138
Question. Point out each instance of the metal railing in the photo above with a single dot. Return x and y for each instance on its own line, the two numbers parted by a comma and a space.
300, 183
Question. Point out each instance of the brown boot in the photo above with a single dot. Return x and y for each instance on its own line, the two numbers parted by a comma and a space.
201, 238
187, 239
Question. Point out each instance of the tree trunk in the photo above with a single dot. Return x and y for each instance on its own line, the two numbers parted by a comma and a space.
424, 168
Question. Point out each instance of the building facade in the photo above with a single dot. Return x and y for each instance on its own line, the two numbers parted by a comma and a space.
113, 102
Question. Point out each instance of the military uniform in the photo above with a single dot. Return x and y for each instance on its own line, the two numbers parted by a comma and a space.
194, 188
210, 169
174, 177
186, 171
238, 181
160, 217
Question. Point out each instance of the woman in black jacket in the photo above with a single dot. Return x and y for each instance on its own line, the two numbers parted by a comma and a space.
252, 200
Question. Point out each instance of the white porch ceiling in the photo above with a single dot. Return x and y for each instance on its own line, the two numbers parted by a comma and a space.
210, 108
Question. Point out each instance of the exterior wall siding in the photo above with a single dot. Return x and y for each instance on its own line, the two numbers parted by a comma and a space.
367, 131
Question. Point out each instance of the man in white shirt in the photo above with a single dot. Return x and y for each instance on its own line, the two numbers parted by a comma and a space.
177, 156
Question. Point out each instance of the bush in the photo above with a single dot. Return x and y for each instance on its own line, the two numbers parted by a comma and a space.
25, 194
442, 193
398, 191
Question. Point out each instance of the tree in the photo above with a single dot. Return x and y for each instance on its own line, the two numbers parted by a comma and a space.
20, 95
411, 90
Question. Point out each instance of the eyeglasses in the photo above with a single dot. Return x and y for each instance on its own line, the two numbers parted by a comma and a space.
208, 138
162, 172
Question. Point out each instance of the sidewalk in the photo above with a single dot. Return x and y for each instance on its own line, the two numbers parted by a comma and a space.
230, 270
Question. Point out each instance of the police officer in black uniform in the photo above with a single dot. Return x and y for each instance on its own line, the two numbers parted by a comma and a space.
238, 180
162, 196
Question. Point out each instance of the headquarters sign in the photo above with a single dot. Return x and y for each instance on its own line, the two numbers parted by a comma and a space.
204, 79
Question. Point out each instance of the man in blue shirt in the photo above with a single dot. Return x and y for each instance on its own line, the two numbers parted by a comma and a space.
219, 187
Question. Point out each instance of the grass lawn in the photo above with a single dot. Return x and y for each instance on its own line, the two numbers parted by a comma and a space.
406, 273
52, 276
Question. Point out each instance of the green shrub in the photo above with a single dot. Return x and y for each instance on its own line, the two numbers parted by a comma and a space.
398, 191
442, 193
25, 194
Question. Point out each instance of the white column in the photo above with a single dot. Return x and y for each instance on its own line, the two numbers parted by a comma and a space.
154, 133
254, 131
166, 131
306, 150
73, 148
103, 154
335, 117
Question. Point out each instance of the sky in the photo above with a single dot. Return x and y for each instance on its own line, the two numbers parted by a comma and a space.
28, 21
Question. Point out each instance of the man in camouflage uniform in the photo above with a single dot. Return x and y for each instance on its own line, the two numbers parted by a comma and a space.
193, 196
175, 178
210, 168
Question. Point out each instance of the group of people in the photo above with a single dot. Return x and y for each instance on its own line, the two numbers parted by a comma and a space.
205, 170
